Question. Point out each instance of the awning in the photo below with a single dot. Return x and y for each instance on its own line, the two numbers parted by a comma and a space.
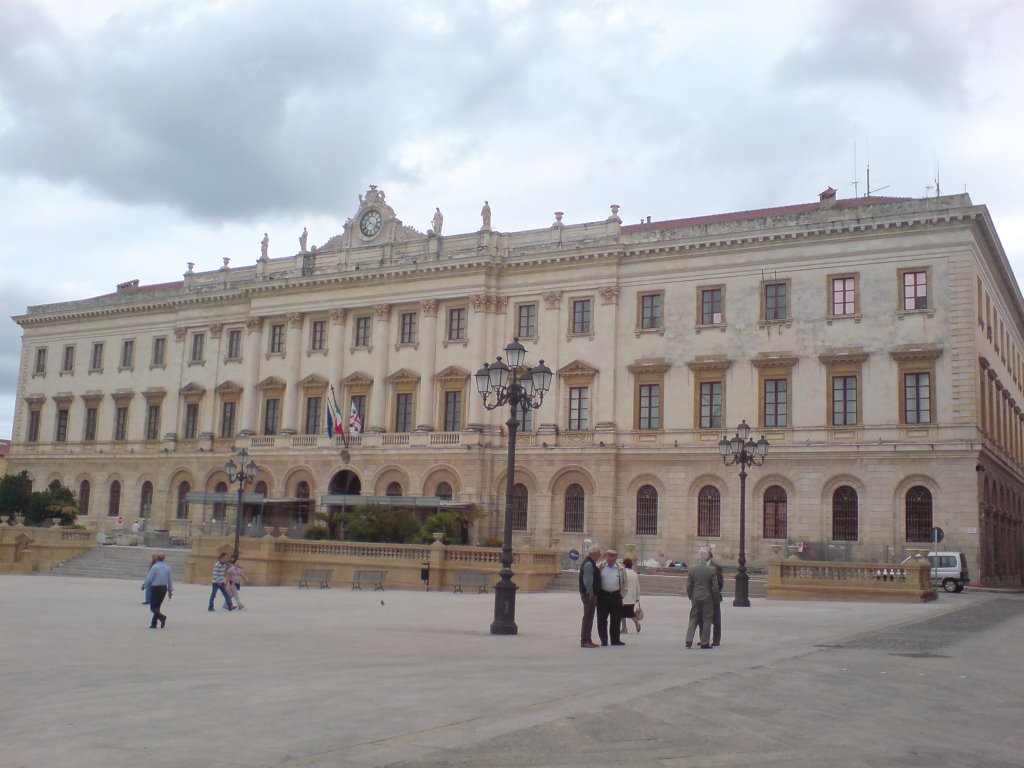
425, 502
197, 497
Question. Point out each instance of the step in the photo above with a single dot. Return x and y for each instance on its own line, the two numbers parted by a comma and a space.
121, 562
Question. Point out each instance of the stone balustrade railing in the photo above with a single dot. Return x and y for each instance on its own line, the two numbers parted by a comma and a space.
794, 579
27, 549
273, 561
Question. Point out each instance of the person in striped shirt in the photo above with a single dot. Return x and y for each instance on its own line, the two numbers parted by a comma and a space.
219, 569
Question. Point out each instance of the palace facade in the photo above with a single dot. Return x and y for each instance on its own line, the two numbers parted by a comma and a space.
875, 342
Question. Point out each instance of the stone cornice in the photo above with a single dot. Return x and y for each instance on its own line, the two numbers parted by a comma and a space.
915, 352
852, 355
709, 363
654, 365
775, 360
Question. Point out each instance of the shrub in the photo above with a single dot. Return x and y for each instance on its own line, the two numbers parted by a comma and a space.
315, 533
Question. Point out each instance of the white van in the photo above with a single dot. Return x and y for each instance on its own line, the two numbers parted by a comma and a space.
949, 569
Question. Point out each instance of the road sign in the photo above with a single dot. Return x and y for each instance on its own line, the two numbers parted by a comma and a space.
574, 554
120, 520
938, 534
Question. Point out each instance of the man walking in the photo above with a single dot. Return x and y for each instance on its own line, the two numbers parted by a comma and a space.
609, 601
590, 588
219, 569
703, 591
160, 584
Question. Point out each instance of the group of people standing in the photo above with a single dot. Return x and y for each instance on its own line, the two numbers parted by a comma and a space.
159, 585
611, 592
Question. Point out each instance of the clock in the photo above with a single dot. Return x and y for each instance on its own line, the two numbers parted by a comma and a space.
370, 223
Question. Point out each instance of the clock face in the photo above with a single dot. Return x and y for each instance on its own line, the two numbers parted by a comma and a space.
370, 224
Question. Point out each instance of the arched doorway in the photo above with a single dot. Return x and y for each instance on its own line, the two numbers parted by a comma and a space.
345, 483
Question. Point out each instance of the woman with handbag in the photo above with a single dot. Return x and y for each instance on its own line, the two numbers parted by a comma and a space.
631, 596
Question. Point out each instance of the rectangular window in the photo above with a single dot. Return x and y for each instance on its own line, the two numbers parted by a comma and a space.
271, 416
121, 423
453, 411
776, 402
277, 339
191, 421
198, 347
403, 412
68, 362
40, 361
844, 296
159, 350
915, 290
362, 331
581, 316
91, 415
526, 324
33, 426
650, 406
61, 435
318, 335
579, 408
525, 421
407, 329
153, 422
917, 398
776, 301
457, 324
313, 406
227, 419
650, 311
96, 362
844, 401
711, 405
711, 306
359, 401
128, 353
235, 344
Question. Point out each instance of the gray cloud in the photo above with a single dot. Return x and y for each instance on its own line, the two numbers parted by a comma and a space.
901, 44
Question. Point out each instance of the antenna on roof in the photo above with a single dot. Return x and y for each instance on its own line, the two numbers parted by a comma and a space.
870, 190
938, 186
855, 173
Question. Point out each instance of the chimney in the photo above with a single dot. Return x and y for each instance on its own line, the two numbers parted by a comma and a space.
827, 198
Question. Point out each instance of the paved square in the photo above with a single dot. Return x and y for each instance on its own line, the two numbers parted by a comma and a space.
340, 678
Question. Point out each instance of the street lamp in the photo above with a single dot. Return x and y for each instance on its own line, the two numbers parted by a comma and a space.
241, 473
510, 383
743, 450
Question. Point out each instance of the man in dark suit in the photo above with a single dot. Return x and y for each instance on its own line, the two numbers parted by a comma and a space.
716, 622
703, 590
590, 588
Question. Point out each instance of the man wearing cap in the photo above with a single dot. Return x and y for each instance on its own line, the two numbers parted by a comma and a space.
590, 588
609, 601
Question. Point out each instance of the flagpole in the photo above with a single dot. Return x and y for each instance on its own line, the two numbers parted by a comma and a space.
339, 417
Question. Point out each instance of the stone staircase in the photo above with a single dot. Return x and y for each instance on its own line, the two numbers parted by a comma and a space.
116, 562
650, 584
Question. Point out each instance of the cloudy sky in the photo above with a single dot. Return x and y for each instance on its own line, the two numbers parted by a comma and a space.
138, 135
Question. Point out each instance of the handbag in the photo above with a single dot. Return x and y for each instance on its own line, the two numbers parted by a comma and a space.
638, 612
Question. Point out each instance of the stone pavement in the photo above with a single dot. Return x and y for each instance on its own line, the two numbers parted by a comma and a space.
318, 678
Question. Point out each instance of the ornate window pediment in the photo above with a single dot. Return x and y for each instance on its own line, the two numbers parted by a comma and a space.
63, 399
271, 383
653, 365
775, 360
358, 379
192, 392
578, 369
123, 396
452, 374
709, 363
403, 376
313, 381
916, 353
844, 356
155, 395
228, 388
92, 398
35, 401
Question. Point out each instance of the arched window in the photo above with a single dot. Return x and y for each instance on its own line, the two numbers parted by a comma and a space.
775, 504
146, 500
261, 489
573, 515
84, 489
919, 514
302, 490
647, 511
520, 506
844, 514
709, 512
114, 503
182, 508
393, 489
220, 508
443, 491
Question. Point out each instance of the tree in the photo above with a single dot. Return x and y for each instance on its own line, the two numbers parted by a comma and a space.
15, 495
333, 519
56, 501
374, 522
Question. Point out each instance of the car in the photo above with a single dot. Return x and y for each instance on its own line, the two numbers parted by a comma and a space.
949, 569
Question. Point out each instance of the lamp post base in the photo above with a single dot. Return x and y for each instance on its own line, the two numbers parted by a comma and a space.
505, 607
742, 598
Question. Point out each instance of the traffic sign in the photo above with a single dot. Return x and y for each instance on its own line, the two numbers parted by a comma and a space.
574, 554
938, 534
120, 520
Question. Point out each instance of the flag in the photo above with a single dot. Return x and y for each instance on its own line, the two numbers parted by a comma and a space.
335, 423
355, 424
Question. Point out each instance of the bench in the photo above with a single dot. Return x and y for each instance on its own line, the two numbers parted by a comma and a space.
323, 577
479, 579
369, 577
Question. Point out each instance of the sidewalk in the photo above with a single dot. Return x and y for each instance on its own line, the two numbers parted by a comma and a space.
340, 678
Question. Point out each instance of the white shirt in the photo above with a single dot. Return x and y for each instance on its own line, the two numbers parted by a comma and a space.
610, 578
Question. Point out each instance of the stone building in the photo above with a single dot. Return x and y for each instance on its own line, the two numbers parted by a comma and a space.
875, 342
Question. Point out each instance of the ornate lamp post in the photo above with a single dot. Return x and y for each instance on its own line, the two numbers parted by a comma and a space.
241, 473
742, 450
510, 383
